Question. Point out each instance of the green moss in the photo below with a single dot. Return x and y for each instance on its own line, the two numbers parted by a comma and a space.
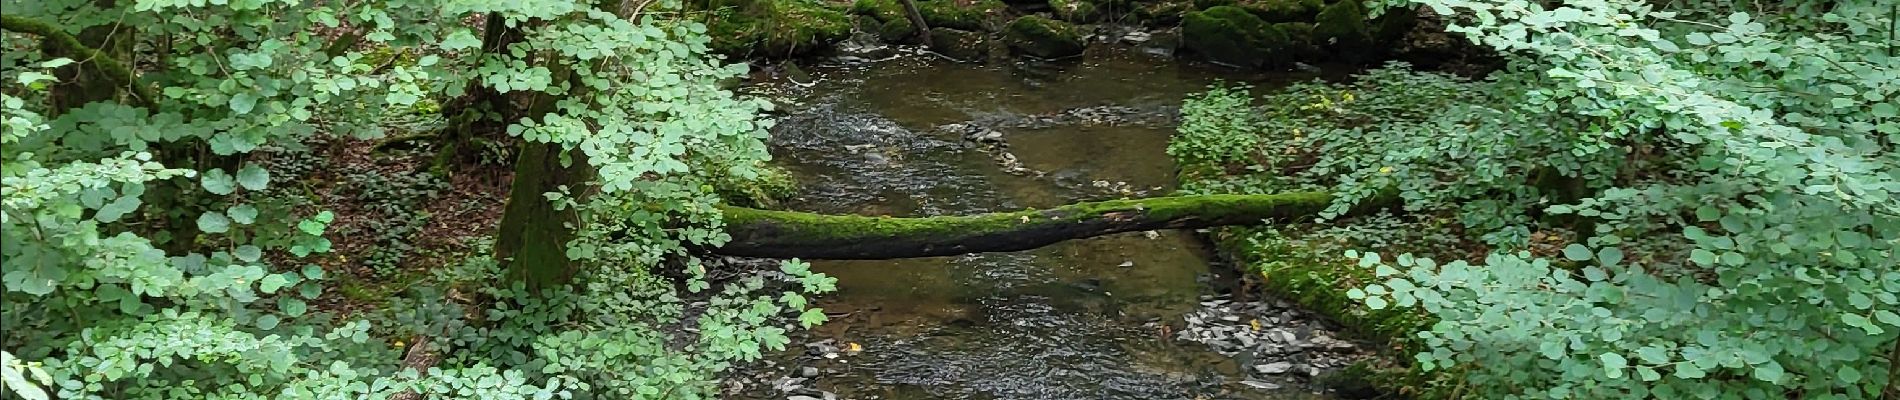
1343, 24
959, 44
773, 186
977, 16
774, 28
884, 10
1080, 11
1392, 26
1043, 37
1162, 12
809, 227
1232, 35
1284, 10
897, 31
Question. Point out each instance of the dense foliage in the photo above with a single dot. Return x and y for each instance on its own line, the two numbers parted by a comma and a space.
154, 250
1691, 200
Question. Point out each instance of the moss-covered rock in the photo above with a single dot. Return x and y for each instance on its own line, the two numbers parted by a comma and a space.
959, 44
1284, 10
1271, 10
899, 31
1300, 42
778, 29
1342, 26
974, 16
1161, 12
955, 14
1043, 37
1078, 11
1231, 35
1391, 26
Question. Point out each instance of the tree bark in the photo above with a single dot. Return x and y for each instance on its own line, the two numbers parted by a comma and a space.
917, 20
788, 234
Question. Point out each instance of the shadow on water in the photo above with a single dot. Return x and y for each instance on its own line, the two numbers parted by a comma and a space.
1082, 319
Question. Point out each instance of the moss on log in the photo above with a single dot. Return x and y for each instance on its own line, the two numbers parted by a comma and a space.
70, 46
788, 234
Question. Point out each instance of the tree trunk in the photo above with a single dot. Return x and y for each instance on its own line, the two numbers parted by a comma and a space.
534, 235
788, 234
917, 20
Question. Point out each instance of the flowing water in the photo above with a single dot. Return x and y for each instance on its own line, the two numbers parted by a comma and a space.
1084, 319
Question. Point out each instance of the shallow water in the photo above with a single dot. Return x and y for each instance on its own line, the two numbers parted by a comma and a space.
1083, 319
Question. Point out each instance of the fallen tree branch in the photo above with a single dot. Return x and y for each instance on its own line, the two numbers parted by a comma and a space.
113, 68
789, 234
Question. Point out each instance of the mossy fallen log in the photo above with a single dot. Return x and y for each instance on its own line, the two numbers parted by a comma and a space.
789, 234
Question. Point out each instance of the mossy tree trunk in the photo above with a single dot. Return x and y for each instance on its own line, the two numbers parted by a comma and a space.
786, 234
534, 235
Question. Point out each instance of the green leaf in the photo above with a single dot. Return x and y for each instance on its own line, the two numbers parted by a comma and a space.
1770, 372
812, 317
253, 177
1888, 317
1848, 374
213, 222
271, 283
267, 322
1653, 355
218, 182
1703, 257
1609, 256
243, 214
1613, 364
1648, 374
312, 272
117, 209
1576, 252
292, 306
242, 103
1690, 371
248, 253
461, 39
1384, 271
1861, 321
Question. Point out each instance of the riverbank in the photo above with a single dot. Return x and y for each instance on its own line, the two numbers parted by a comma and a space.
1253, 34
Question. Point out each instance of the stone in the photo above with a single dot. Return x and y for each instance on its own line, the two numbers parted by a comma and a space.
1274, 368
1260, 384
1285, 10
1162, 43
898, 31
1231, 35
1077, 11
1043, 37
974, 16
1342, 27
959, 44
808, 372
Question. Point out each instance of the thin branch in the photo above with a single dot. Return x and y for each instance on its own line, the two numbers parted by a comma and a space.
113, 68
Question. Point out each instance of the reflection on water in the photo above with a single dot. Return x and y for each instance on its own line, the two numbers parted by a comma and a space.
1077, 320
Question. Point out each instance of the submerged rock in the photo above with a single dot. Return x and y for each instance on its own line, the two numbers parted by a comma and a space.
959, 44
1231, 35
1043, 37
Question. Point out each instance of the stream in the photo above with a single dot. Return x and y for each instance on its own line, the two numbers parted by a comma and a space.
1083, 319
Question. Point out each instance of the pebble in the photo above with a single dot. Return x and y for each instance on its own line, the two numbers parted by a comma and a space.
1272, 336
